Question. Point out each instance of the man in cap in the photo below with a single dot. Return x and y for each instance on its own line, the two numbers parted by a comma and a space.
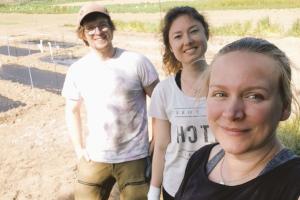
112, 83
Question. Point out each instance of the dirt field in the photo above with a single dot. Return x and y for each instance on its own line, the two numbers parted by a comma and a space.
36, 159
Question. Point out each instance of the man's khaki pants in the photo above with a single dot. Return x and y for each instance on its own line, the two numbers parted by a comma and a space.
95, 180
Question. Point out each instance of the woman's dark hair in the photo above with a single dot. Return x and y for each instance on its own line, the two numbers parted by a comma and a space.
171, 64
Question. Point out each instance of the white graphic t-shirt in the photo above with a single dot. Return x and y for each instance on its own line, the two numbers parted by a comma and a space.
189, 128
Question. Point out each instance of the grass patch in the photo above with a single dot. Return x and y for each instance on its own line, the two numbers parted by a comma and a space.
206, 5
262, 28
69, 25
289, 134
42, 1
50, 6
265, 27
137, 26
37, 8
295, 30
233, 29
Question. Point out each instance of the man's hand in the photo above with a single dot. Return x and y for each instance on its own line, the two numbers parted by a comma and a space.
82, 153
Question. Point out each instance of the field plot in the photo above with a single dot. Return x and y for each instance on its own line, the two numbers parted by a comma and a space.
37, 159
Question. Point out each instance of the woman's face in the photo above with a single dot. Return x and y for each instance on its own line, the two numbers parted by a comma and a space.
244, 104
187, 39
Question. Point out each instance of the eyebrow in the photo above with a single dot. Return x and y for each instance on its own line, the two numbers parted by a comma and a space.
177, 32
248, 88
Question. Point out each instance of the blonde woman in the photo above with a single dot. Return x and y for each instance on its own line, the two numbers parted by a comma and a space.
249, 94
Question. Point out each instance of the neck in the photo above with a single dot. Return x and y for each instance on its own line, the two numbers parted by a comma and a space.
106, 54
191, 82
237, 169
193, 70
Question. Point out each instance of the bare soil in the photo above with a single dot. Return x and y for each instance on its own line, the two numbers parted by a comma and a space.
36, 158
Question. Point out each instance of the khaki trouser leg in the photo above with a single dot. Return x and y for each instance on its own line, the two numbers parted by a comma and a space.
94, 181
130, 177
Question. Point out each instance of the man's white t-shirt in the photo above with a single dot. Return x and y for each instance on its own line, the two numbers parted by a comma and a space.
115, 100
189, 128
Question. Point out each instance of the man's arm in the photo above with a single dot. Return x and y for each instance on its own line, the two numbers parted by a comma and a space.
149, 89
73, 119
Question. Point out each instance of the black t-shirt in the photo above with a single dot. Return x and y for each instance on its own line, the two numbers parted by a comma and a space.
280, 183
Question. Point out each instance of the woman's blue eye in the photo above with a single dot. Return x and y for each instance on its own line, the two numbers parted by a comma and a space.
194, 30
218, 94
255, 97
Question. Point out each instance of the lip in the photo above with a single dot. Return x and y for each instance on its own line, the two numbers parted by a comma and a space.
100, 37
190, 50
234, 131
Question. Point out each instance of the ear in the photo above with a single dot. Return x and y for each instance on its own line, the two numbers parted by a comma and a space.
85, 40
285, 113
84, 37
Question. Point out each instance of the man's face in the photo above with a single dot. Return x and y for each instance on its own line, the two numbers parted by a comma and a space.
98, 33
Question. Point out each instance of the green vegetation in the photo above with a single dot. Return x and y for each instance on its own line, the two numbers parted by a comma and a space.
262, 28
137, 26
265, 27
206, 5
233, 29
69, 25
295, 30
37, 8
51, 6
289, 134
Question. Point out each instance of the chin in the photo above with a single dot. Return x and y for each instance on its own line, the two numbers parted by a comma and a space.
101, 46
235, 148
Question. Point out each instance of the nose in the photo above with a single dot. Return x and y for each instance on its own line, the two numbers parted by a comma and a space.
187, 39
97, 30
235, 110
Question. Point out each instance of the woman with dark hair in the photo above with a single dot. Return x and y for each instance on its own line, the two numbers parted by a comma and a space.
249, 93
179, 118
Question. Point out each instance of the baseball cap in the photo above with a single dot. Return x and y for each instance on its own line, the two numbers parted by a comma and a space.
90, 8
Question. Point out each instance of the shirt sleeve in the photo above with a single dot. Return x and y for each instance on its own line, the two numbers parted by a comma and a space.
70, 89
146, 72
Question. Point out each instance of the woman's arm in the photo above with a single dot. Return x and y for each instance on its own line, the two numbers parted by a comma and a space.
162, 137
